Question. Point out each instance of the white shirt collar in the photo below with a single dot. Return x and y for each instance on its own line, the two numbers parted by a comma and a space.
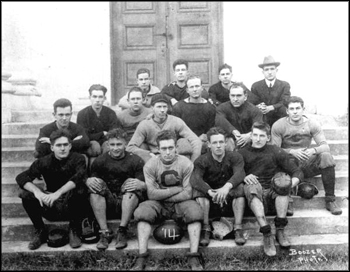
268, 82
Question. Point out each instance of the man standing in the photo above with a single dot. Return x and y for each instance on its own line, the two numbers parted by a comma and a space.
131, 117
266, 188
146, 132
170, 196
220, 91
217, 182
237, 116
116, 187
195, 111
62, 113
176, 90
294, 134
271, 93
97, 120
64, 173
143, 77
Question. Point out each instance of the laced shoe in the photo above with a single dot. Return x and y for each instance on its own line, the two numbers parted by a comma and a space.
333, 208
193, 261
122, 240
106, 237
282, 238
40, 237
140, 262
239, 237
269, 245
74, 239
205, 237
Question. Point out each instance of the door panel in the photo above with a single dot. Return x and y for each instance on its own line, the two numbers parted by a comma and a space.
154, 34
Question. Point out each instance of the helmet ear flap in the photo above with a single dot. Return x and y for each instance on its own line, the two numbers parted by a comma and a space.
307, 190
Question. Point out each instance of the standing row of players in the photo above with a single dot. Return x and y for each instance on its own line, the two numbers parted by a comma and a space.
142, 173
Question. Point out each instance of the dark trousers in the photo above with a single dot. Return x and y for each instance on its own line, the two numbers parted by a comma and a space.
70, 206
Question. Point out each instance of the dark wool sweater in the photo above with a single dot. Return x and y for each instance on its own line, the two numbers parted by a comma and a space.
209, 174
173, 90
199, 117
115, 171
56, 173
94, 125
242, 118
75, 130
219, 94
265, 162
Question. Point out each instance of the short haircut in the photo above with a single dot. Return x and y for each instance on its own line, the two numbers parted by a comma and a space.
262, 126
216, 131
62, 132
225, 66
143, 71
97, 87
294, 99
117, 133
166, 135
135, 89
62, 103
193, 77
179, 62
236, 85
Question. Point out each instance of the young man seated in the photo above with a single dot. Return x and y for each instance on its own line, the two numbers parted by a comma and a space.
116, 187
266, 187
64, 173
170, 196
217, 182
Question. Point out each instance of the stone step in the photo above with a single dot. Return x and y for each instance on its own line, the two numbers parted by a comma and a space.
341, 183
17, 154
29, 116
9, 170
318, 221
302, 247
336, 133
23, 128
19, 140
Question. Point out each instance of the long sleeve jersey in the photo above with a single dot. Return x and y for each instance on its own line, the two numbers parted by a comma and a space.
56, 173
199, 117
147, 130
265, 162
290, 136
242, 118
173, 90
209, 173
115, 171
75, 130
163, 178
95, 125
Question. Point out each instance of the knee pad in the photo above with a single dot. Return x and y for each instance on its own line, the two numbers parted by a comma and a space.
281, 183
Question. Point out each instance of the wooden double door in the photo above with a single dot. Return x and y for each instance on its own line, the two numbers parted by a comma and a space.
153, 35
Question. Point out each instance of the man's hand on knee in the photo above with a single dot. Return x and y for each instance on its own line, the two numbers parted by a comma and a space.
251, 179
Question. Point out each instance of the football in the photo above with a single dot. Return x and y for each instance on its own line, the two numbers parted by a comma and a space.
168, 232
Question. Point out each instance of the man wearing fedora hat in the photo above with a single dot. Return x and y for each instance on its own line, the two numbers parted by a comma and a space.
271, 93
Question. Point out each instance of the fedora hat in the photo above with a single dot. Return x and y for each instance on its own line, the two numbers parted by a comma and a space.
269, 61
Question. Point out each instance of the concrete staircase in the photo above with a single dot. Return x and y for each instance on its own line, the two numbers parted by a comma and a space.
311, 227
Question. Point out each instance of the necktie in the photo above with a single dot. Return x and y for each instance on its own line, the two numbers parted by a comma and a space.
270, 85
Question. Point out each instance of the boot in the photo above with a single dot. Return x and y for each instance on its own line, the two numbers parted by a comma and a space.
269, 245
106, 237
333, 208
140, 262
122, 240
74, 239
205, 236
282, 238
239, 237
193, 261
40, 237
